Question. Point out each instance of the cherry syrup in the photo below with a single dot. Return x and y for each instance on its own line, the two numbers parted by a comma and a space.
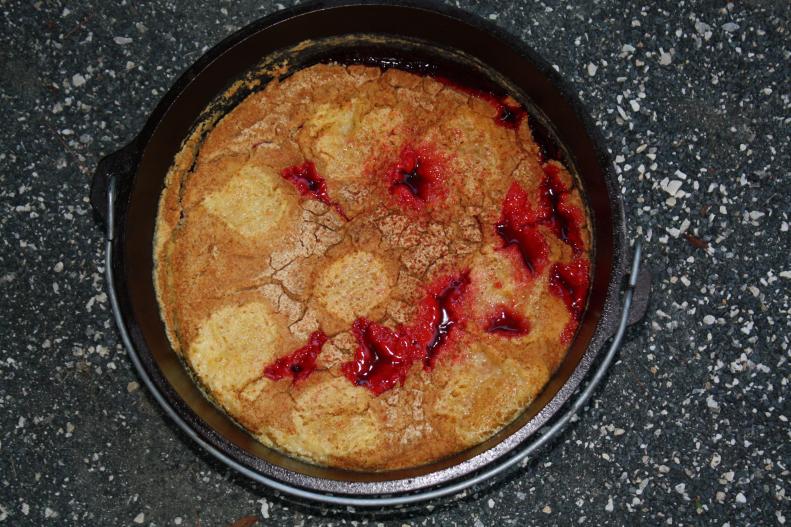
300, 363
570, 283
518, 228
506, 323
418, 178
309, 183
382, 359
508, 115
439, 313
519, 222
561, 216
384, 356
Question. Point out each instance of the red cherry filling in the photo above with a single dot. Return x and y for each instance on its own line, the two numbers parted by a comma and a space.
528, 241
418, 177
517, 209
439, 313
384, 356
506, 323
309, 183
508, 114
518, 228
299, 363
518, 225
382, 359
563, 218
570, 283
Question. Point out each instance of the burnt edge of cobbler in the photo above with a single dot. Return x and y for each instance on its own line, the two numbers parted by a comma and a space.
609, 315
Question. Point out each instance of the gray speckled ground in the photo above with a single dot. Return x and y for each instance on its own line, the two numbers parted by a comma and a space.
692, 425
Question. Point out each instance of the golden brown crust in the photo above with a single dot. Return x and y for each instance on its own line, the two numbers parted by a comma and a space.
247, 268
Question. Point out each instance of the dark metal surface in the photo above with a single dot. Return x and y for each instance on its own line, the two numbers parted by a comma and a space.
446, 39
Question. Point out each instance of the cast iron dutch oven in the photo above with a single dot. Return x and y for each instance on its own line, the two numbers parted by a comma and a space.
433, 40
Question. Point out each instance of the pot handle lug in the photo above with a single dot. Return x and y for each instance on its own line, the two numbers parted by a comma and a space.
120, 165
642, 294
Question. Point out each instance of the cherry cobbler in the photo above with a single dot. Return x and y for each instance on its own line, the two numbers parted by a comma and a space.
371, 269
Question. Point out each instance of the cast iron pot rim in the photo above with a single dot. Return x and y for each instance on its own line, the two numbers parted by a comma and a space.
209, 440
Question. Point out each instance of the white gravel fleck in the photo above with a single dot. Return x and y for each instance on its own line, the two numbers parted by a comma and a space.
664, 57
709, 320
609, 507
740, 498
77, 80
122, 41
671, 186
140, 518
702, 27
642, 486
592, 69
264, 508
730, 27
